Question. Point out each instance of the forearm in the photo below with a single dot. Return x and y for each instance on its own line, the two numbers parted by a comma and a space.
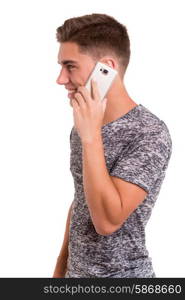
64, 249
101, 195
61, 264
60, 267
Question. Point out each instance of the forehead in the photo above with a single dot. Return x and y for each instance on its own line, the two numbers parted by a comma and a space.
69, 51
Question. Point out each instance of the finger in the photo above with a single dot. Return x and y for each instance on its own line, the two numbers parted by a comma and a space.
85, 93
95, 90
80, 99
75, 104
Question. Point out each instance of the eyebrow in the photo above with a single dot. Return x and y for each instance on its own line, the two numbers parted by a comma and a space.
65, 62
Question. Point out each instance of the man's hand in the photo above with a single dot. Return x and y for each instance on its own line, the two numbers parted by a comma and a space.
88, 112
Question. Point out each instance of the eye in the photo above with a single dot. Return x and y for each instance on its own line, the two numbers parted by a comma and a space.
70, 67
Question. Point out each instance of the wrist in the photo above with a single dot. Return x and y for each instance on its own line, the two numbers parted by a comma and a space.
95, 138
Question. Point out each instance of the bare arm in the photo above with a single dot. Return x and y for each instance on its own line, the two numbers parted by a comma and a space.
61, 264
101, 195
110, 200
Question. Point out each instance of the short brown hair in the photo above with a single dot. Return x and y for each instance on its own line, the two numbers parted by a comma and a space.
97, 35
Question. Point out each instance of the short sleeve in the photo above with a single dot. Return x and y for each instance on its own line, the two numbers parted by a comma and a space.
146, 160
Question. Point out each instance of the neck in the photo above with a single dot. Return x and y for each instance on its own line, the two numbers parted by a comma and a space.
118, 103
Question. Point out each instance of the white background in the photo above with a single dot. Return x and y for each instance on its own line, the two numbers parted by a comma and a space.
36, 186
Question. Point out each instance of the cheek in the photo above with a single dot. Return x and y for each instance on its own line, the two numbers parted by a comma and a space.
80, 78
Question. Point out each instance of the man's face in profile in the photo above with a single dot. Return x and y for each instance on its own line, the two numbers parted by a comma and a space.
76, 67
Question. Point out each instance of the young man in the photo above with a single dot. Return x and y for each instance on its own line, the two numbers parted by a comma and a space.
119, 155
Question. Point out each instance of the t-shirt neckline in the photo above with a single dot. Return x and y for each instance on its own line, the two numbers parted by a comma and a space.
130, 111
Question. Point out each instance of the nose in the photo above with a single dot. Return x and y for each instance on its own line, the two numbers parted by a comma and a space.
62, 78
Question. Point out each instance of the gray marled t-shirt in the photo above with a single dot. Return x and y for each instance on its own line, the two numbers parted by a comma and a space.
137, 148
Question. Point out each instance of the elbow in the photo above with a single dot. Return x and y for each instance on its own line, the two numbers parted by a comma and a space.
106, 230
106, 226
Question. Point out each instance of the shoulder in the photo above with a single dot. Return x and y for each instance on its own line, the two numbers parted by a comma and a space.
152, 126
154, 135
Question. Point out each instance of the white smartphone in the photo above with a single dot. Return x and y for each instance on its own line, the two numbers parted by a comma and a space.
104, 76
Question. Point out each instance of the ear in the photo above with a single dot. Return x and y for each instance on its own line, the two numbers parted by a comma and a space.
111, 62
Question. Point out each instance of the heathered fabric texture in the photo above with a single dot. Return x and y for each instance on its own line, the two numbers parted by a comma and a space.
137, 149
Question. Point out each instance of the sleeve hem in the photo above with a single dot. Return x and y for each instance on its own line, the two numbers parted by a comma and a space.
132, 180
